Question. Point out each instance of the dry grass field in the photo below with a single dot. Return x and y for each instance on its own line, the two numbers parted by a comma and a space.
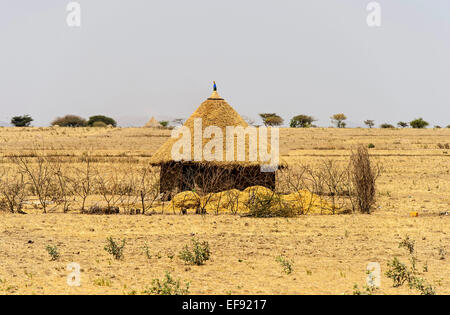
329, 254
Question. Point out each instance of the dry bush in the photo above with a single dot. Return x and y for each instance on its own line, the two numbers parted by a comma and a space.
101, 210
82, 181
127, 192
268, 206
332, 178
13, 191
40, 176
148, 187
64, 193
108, 186
212, 179
328, 180
362, 179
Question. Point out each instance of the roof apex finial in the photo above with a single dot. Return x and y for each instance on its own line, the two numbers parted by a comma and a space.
215, 86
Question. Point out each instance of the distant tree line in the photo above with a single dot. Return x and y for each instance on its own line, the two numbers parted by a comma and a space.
269, 119
68, 121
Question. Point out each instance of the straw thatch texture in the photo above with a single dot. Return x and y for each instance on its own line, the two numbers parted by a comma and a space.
215, 111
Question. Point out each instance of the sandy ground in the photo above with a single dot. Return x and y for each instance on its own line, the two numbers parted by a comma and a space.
329, 254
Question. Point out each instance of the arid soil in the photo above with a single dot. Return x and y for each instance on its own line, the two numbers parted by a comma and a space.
328, 254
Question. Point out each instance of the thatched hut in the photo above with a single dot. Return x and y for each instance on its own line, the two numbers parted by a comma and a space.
206, 174
152, 123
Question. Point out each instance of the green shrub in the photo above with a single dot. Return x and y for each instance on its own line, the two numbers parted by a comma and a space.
398, 272
53, 252
371, 146
285, 263
167, 286
197, 254
367, 290
386, 126
407, 243
419, 123
401, 274
164, 124
114, 248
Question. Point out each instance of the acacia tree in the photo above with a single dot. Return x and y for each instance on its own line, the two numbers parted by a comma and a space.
271, 119
107, 120
21, 121
302, 121
402, 124
70, 121
369, 123
419, 123
339, 120
386, 126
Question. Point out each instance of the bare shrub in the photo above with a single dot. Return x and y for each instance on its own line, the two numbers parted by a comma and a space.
64, 190
126, 190
82, 181
333, 177
101, 210
148, 188
12, 191
40, 176
363, 176
262, 205
108, 186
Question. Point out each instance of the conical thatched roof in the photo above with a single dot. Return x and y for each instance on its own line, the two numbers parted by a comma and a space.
152, 123
215, 111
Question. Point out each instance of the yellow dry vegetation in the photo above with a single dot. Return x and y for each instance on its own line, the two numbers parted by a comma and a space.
238, 202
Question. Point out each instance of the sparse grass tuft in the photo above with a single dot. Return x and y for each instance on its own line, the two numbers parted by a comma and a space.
285, 263
53, 252
167, 286
197, 254
114, 248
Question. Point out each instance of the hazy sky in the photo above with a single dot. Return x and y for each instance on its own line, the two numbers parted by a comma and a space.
137, 58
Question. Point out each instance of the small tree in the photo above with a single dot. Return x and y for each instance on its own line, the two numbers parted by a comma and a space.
339, 120
271, 119
369, 123
386, 126
164, 123
105, 119
302, 121
70, 121
402, 124
21, 121
419, 123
